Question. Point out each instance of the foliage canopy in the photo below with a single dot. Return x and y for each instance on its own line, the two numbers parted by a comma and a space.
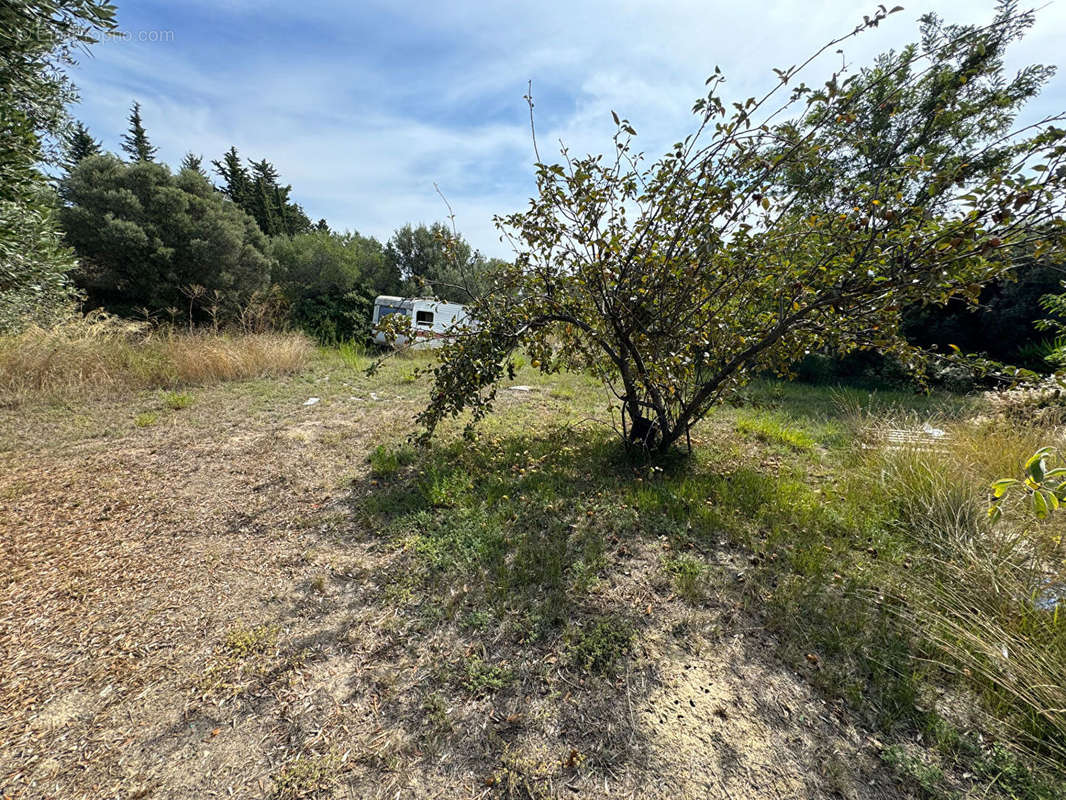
330, 280
145, 237
38, 39
433, 260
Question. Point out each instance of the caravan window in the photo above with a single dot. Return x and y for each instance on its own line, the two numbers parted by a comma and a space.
424, 318
384, 311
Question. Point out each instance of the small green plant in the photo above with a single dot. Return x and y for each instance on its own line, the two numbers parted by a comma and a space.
385, 462
1045, 488
177, 400
306, 776
690, 577
478, 619
146, 419
242, 656
446, 487
927, 777
242, 642
1002, 768
435, 707
599, 645
481, 678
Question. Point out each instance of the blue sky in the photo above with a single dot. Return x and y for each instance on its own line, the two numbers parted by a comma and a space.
363, 105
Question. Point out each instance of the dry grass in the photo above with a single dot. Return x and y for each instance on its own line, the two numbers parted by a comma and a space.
256, 597
222, 605
977, 592
102, 355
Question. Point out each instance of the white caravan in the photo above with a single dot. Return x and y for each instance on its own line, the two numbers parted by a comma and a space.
431, 319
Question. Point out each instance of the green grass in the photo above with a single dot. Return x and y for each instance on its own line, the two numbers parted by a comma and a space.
599, 645
354, 355
146, 419
842, 548
176, 401
771, 429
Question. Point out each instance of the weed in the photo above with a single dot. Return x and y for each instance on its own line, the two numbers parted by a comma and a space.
305, 776
435, 707
479, 619
927, 777
481, 678
464, 538
531, 775
177, 400
242, 642
242, 655
1002, 768
354, 355
690, 576
385, 462
446, 487
599, 645
146, 419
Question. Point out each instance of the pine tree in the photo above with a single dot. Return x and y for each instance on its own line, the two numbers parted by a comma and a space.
267, 204
80, 146
235, 178
135, 142
257, 191
193, 162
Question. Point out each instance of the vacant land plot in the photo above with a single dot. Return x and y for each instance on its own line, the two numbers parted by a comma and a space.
258, 589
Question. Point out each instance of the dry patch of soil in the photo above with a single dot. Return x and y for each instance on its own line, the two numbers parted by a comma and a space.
194, 609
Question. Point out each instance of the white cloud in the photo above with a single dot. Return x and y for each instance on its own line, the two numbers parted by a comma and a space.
363, 131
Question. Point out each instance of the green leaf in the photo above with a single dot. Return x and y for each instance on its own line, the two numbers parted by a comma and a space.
1000, 487
1035, 465
1040, 505
1052, 500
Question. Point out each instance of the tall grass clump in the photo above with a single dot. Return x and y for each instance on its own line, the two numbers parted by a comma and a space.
983, 600
202, 357
101, 355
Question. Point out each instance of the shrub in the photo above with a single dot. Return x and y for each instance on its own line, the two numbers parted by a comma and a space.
149, 239
330, 281
805, 219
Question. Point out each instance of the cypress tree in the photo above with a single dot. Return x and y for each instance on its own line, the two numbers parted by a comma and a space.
81, 146
135, 142
235, 179
193, 162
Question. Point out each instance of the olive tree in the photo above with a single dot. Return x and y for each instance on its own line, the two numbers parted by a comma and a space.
808, 218
39, 40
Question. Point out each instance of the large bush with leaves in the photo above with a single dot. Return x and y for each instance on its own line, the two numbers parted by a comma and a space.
330, 280
805, 219
149, 239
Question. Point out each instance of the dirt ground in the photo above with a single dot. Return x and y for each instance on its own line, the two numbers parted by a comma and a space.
196, 608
